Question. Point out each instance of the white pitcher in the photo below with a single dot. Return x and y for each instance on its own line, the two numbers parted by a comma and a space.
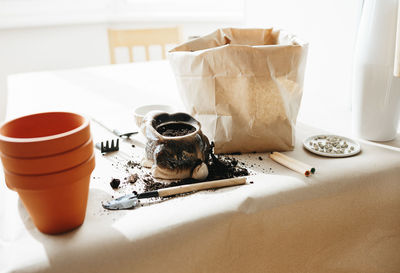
376, 86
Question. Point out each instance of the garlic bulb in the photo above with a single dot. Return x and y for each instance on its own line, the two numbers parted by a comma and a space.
200, 172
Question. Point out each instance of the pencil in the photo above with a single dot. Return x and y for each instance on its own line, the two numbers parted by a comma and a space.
292, 163
295, 161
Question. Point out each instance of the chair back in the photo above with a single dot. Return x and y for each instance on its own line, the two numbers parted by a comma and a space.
142, 37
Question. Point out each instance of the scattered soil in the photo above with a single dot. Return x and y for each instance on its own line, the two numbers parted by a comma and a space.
115, 183
222, 167
175, 129
235, 153
132, 164
139, 179
150, 184
219, 167
133, 178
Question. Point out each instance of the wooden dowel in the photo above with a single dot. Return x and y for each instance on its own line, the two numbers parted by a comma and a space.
202, 186
306, 167
163, 52
289, 164
295, 161
130, 54
147, 53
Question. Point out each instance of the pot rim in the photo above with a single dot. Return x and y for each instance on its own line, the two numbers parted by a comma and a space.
45, 138
82, 153
44, 181
198, 125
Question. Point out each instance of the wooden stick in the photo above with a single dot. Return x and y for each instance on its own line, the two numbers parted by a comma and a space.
202, 186
290, 163
298, 162
396, 71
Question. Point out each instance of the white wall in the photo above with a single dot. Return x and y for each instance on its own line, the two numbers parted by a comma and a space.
329, 26
69, 46
33, 49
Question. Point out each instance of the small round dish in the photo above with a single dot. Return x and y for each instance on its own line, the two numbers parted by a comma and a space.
332, 145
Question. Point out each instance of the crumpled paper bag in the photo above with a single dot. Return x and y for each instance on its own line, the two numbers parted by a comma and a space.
244, 86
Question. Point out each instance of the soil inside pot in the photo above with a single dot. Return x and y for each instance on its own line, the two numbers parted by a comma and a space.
175, 129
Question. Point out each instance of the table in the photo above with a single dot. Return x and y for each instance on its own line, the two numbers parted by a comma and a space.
346, 218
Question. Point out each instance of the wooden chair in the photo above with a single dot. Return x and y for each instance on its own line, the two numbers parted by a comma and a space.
142, 37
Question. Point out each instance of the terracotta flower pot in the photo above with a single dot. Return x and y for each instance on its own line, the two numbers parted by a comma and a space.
48, 164
43, 134
56, 202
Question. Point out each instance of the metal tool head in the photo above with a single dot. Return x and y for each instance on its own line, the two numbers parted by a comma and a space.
124, 202
107, 146
123, 135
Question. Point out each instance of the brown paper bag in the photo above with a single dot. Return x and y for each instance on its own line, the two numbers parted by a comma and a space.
244, 86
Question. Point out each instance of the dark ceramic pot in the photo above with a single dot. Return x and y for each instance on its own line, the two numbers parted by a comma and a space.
176, 148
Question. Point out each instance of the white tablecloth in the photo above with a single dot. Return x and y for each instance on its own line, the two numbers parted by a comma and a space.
345, 218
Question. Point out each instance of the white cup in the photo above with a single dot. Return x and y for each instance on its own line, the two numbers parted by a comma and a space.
141, 111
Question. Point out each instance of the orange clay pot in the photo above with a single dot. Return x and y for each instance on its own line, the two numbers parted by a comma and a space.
48, 164
56, 202
43, 134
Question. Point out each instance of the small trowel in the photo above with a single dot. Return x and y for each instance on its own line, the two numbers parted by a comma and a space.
130, 201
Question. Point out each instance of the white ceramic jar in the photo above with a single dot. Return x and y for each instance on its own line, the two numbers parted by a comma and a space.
376, 92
